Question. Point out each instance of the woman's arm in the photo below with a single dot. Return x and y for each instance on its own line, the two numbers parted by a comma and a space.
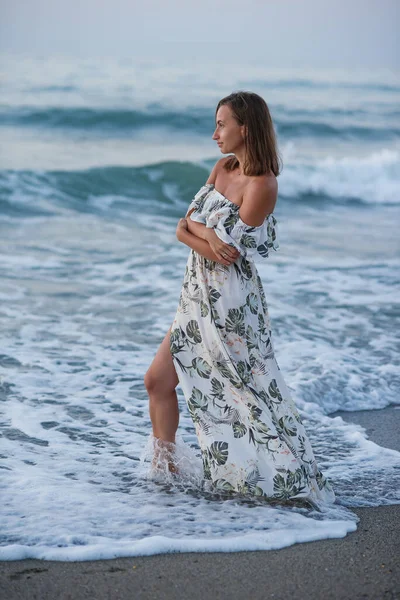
218, 247
196, 228
259, 200
197, 244
222, 252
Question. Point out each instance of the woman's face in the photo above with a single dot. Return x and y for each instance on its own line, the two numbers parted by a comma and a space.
228, 134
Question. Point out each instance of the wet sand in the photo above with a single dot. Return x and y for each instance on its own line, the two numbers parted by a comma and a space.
364, 565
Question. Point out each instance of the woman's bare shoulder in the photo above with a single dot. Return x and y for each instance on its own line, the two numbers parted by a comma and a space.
259, 199
263, 184
216, 169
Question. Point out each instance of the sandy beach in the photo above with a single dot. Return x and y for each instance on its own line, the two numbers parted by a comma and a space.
363, 565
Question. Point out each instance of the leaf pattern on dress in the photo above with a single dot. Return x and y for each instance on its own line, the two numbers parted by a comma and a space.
201, 367
252, 302
225, 486
193, 331
274, 392
198, 399
287, 425
219, 452
248, 241
231, 221
251, 436
235, 321
239, 429
204, 309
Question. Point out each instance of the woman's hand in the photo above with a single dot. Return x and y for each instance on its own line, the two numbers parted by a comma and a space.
182, 224
226, 254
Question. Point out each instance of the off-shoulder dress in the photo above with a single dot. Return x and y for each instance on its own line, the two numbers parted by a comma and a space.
251, 435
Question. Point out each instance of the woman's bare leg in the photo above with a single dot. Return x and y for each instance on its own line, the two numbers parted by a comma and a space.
160, 381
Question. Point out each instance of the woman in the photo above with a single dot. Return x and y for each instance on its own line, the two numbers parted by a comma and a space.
219, 347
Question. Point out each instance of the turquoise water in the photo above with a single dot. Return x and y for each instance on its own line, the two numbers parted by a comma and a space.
98, 162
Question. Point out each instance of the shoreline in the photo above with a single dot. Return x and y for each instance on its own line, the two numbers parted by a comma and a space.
382, 425
360, 566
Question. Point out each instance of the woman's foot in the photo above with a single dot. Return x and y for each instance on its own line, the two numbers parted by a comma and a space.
164, 456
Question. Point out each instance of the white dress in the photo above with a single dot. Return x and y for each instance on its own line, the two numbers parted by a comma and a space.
250, 433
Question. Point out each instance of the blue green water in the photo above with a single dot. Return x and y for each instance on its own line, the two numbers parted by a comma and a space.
98, 161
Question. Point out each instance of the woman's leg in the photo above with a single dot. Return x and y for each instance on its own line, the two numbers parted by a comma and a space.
160, 381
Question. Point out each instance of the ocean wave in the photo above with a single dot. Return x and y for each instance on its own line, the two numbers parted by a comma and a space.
106, 119
353, 124
372, 179
166, 187
161, 188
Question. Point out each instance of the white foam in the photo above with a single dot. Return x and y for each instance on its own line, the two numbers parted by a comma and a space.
374, 178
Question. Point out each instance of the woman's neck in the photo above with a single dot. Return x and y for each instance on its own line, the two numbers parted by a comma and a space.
240, 156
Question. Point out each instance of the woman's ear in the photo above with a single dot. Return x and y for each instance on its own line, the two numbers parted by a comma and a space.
243, 129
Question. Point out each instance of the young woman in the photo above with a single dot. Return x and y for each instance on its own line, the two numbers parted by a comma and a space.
219, 347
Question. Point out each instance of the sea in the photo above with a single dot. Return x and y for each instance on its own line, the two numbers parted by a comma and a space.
99, 159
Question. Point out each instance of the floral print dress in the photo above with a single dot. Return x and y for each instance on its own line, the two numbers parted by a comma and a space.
251, 436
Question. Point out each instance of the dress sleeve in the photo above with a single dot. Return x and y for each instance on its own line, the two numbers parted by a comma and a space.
251, 242
199, 199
